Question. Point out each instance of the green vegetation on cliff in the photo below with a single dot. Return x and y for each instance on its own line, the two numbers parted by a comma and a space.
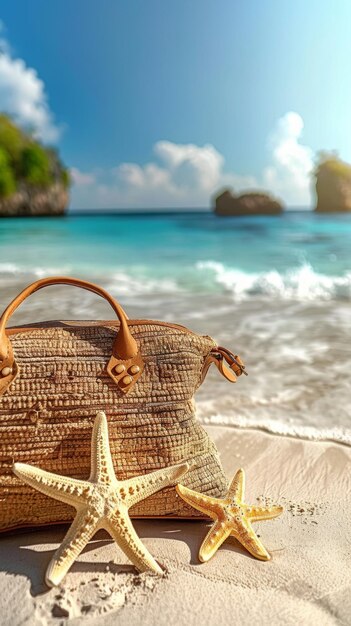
330, 162
7, 177
333, 184
24, 161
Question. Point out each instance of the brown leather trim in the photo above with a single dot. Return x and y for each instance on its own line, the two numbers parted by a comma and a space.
13, 330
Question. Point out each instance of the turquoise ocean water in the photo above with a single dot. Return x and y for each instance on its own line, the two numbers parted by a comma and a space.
275, 289
193, 251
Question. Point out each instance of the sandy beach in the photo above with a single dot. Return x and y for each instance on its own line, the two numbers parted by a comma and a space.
308, 580
175, 216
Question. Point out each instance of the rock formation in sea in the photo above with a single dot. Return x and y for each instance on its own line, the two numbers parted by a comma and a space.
33, 180
333, 185
255, 203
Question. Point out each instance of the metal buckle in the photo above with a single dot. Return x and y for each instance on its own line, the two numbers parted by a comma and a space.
241, 366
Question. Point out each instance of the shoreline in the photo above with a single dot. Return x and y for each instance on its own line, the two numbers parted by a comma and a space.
309, 543
276, 429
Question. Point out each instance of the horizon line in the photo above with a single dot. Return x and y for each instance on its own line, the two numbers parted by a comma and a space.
172, 211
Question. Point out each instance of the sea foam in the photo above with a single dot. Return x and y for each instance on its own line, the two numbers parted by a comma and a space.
335, 434
301, 283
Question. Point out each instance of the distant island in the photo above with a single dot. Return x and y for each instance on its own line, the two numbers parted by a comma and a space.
332, 181
333, 184
33, 180
255, 203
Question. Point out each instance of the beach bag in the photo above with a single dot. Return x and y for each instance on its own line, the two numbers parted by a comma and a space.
54, 378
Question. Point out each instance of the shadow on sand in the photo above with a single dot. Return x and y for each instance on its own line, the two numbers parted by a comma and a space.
24, 553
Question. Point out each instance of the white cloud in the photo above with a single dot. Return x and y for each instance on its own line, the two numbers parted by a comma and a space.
187, 175
190, 164
81, 178
23, 96
292, 162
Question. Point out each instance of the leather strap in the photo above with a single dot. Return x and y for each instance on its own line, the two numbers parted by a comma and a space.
221, 357
124, 350
234, 361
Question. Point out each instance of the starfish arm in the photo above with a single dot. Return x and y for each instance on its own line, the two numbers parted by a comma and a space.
237, 486
63, 488
217, 534
258, 513
245, 534
141, 487
102, 469
122, 531
205, 504
79, 533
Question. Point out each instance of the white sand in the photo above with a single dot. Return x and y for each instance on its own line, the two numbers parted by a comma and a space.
308, 581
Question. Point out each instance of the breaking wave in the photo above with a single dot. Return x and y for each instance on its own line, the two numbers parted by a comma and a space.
300, 283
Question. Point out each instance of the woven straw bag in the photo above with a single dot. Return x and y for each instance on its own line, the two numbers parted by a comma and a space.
55, 376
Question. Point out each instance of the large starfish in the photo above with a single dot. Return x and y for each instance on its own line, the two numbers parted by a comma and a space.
232, 517
102, 501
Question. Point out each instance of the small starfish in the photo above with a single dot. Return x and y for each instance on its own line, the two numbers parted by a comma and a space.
102, 501
232, 517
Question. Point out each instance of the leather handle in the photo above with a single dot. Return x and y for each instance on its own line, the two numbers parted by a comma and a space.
124, 349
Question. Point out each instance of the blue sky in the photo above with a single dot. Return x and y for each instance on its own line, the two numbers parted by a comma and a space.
161, 103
